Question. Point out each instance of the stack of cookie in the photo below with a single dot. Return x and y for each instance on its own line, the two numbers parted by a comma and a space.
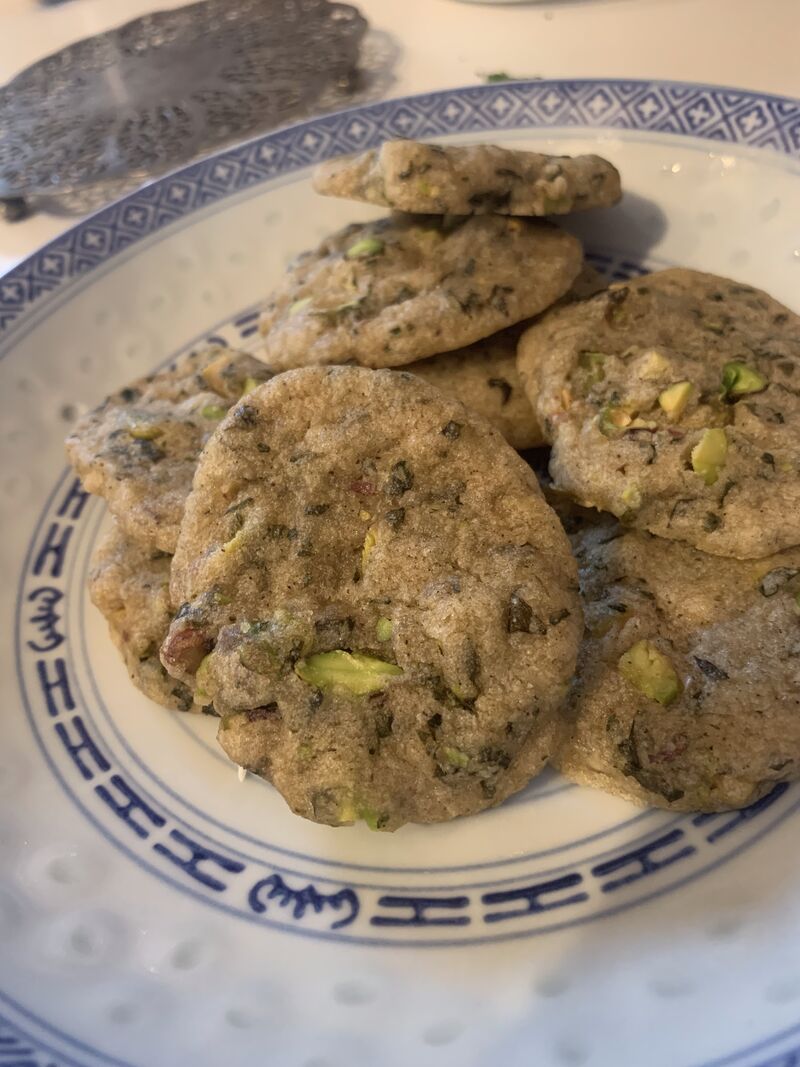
353, 567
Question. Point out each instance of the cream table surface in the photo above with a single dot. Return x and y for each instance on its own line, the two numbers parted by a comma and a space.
444, 43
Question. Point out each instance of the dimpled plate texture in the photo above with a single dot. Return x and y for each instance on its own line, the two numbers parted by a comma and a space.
153, 909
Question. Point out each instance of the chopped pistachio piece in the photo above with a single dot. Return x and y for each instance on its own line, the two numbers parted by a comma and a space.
249, 385
299, 305
424, 188
632, 497
354, 671
383, 629
652, 364
201, 680
366, 247
650, 672
336, 312
145, 431
738, 380
347, 811
613, 421
456, 758
709, 455
235, 542
593, 364
375, 820
370, 541
674, 398
213, 411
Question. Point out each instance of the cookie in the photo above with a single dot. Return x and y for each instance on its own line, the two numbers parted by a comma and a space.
375, 597
129, 584
688, 686
673, 402
387, 293
139, 448
470, 180
484, 375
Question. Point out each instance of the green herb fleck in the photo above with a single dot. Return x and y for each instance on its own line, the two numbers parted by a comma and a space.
520, 617
506, 389
401, 479
776, 579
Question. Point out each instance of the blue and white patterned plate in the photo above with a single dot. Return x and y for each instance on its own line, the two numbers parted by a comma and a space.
153, 909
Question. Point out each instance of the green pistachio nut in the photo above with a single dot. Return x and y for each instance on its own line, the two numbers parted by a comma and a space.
456, 758
299, 305
613, 421
365, 248
592, 366
215, 412
650, 672
249, 385
709, 455
370, 540
145, 431
375, 820
357, 673
202, 680
632, 497
738, 380
383, 629
674, 398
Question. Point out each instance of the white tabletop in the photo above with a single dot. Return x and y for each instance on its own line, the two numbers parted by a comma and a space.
443, 43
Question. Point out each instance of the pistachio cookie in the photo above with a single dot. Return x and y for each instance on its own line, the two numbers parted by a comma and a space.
687, 693
375, 597
478, 179
673, 401
387, 293
139, 448
130, 586
484, 375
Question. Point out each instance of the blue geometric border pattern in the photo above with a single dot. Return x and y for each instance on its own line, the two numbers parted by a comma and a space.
18, 1050
713, 113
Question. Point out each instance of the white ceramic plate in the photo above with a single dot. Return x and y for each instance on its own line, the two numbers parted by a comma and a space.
153, 910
